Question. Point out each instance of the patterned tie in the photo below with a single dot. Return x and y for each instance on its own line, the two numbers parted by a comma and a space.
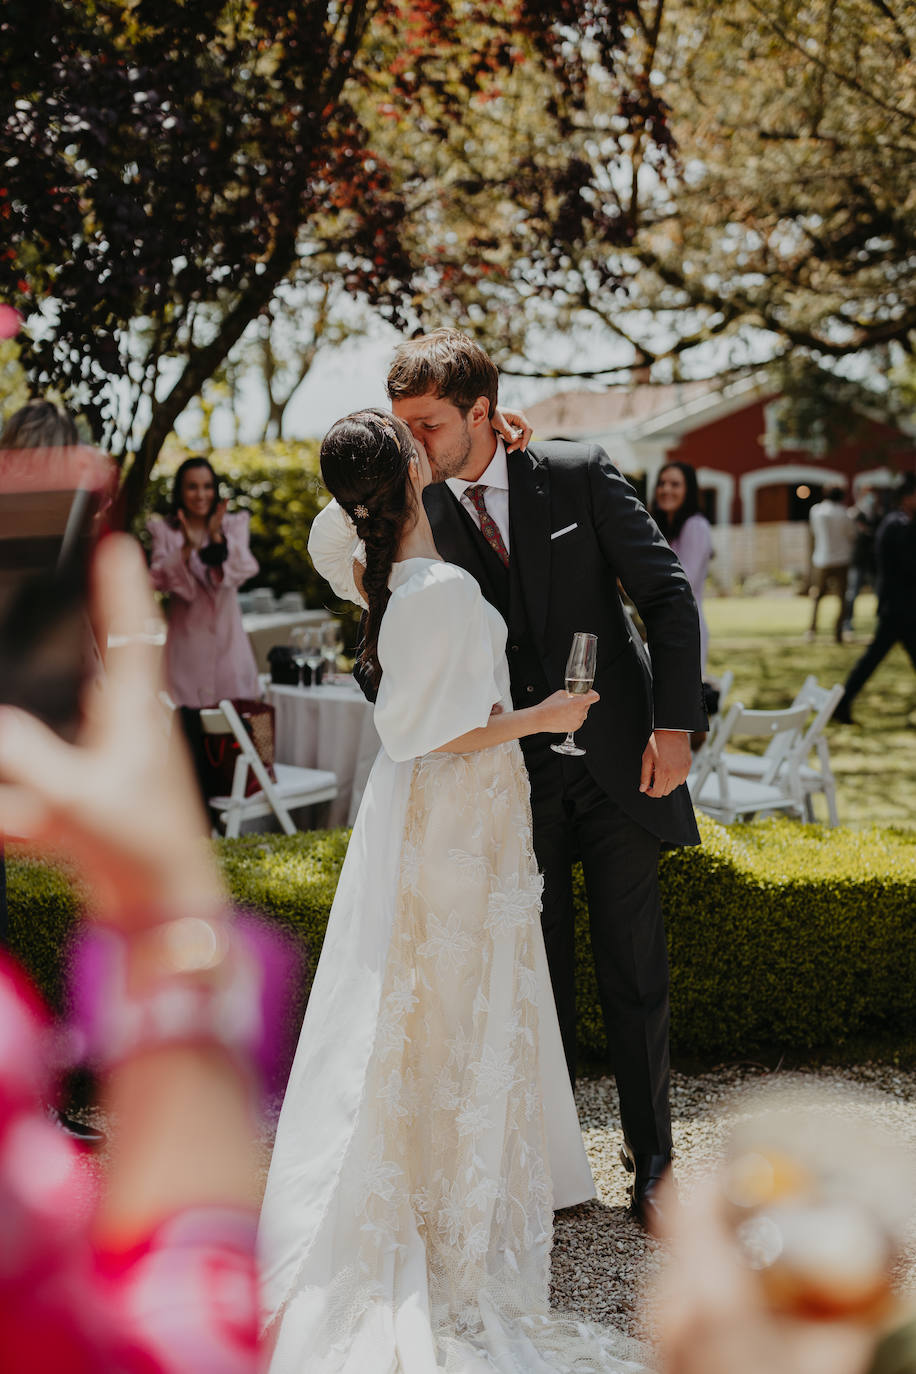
488, 526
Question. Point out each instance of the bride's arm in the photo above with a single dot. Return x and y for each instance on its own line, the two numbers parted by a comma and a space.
440, 679
553, 716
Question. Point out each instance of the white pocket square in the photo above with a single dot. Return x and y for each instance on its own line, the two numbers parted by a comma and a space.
565, 530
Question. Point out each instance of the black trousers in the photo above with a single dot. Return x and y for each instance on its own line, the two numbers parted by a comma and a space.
890, 629
574, 818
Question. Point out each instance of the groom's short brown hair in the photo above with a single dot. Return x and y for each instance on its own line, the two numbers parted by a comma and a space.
447, 363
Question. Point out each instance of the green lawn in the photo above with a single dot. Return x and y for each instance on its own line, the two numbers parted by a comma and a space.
762, 640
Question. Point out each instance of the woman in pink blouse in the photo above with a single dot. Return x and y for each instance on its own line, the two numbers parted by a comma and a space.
200, 556
676, 511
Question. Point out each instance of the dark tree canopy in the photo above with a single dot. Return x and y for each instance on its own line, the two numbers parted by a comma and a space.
166, 164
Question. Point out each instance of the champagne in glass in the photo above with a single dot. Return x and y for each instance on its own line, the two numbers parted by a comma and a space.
580, 674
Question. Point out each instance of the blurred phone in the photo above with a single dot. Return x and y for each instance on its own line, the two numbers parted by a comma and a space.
50, 505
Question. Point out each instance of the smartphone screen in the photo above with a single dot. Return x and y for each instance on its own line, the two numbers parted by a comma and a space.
46, 538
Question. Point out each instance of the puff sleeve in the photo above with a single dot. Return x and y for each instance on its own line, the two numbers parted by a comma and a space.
333, 546
240, 562
437, 653
168, 569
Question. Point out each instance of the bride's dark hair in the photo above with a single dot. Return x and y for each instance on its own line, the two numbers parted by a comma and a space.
365, 461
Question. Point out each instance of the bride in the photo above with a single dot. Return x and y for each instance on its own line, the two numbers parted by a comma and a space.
428, 1129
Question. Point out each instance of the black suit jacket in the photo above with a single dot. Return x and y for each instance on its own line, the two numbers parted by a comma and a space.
569, 583
896, 558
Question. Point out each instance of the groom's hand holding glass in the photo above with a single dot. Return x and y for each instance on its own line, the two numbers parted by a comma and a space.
580, 674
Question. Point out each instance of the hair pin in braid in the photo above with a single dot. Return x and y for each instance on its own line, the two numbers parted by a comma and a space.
361, 512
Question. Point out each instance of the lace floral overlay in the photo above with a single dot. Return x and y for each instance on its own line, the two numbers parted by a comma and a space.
451, 1219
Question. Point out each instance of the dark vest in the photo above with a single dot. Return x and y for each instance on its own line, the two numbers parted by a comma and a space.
501, 586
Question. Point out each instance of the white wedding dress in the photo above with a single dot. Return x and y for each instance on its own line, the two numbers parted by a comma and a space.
428, 1129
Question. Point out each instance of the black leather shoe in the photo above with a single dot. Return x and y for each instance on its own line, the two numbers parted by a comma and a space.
648, 1172
841, 712
78, 1131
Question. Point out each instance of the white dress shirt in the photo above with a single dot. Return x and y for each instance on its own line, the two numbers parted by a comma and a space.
496, 497
833, 533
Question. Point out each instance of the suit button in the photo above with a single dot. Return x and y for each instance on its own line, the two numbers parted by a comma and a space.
529, 688
514, 648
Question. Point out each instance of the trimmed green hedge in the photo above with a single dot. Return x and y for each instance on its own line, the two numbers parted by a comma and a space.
780, 935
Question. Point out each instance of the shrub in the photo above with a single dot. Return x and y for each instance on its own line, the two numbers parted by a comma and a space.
780, 935
794, 936
43, 906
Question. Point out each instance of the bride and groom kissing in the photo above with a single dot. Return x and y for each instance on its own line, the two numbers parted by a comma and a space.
429, 1130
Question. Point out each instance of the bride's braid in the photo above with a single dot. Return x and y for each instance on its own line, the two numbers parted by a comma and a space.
365, 461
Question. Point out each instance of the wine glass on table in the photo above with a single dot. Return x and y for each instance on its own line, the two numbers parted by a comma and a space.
580, 674
312, 639
331, 645
297, 645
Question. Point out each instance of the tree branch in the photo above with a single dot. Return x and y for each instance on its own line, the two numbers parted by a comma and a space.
842, 77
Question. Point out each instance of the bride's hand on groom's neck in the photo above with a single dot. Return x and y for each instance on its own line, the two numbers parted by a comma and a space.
513, 428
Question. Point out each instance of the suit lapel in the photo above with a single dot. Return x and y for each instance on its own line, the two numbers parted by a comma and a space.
529, 537
456, 538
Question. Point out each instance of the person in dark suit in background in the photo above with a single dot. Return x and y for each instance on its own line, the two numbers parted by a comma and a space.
547, 532
895, 553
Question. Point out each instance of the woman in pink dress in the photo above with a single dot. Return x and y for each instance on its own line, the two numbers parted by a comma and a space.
200, 556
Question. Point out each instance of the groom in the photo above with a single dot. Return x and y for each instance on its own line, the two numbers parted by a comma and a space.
547, 533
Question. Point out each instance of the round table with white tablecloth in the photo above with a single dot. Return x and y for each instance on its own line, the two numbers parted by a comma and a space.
327, 727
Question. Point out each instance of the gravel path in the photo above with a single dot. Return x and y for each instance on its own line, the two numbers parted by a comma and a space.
602, 1260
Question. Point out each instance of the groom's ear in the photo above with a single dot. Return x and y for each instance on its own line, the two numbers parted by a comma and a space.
479, 414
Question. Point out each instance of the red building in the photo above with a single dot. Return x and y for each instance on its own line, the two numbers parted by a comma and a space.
731, 434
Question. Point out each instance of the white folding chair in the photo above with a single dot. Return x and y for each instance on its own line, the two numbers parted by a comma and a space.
726, 795
783, 754
294, 787
724, 685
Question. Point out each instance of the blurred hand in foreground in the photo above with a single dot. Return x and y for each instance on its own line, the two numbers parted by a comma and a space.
711, 1315
120, 800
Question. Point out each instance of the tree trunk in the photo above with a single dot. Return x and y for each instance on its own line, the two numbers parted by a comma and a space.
273, 425
201, 364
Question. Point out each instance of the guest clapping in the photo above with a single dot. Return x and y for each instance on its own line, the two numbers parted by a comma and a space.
676, 511
200, 556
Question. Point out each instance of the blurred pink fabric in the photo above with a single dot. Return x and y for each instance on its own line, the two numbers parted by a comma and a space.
207, 655
182, 1299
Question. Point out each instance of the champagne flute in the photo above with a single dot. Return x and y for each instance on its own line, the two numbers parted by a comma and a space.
297, 644
331, 646
312, 639
580, 674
